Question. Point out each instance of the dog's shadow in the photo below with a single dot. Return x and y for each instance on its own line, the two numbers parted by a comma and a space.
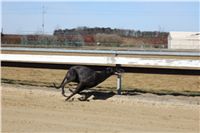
103, 95
97, 95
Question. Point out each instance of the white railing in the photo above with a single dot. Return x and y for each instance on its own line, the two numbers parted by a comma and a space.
100, 60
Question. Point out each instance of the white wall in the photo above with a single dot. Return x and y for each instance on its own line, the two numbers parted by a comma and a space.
184, 40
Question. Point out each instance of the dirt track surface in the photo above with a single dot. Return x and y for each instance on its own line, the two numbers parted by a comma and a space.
38, 110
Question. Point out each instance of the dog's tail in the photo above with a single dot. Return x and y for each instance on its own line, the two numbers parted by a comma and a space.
58, 87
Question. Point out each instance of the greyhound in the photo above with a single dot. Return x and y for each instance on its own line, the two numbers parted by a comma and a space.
85, 77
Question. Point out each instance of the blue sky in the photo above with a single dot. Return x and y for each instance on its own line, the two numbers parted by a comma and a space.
26, 17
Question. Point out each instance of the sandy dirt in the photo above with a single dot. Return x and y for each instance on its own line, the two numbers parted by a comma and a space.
31, 109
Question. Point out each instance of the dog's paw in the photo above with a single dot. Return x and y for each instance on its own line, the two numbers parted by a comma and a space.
91, 97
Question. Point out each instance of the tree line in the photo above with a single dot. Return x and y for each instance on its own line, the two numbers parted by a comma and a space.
101, 30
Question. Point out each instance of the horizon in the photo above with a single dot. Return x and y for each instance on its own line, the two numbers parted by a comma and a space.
26, 17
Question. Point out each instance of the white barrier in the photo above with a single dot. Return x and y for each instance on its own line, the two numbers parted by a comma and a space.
100, 60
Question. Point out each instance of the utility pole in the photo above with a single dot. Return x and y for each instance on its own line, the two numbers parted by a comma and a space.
43, 12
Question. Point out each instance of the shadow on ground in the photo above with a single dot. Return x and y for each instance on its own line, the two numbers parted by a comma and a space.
102, 93
98, 95
160, 92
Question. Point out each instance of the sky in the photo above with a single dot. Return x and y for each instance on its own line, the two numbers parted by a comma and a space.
21, 17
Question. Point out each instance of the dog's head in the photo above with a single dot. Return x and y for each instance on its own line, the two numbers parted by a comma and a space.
110, 70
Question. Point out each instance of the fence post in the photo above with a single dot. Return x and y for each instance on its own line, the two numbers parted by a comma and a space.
119, 83
119, 79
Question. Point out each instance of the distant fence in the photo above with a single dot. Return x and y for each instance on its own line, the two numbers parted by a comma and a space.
78, 40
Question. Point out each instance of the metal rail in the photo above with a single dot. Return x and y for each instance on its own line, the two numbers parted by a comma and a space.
114, 52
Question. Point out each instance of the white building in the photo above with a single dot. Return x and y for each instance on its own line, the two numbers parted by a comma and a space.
184, 40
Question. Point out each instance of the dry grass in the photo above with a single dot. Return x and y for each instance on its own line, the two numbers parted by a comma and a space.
141, 82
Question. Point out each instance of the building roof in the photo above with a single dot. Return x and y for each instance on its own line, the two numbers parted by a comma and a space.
184, 35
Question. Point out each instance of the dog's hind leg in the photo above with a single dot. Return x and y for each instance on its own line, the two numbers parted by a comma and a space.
69, 77
63, 87
79, 88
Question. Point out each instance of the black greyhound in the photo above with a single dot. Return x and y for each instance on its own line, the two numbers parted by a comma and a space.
85, 77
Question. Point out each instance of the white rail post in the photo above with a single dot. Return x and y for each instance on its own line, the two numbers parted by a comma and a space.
119, 79
119, 83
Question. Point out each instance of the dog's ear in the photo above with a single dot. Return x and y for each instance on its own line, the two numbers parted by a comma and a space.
119, 70
110, 70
